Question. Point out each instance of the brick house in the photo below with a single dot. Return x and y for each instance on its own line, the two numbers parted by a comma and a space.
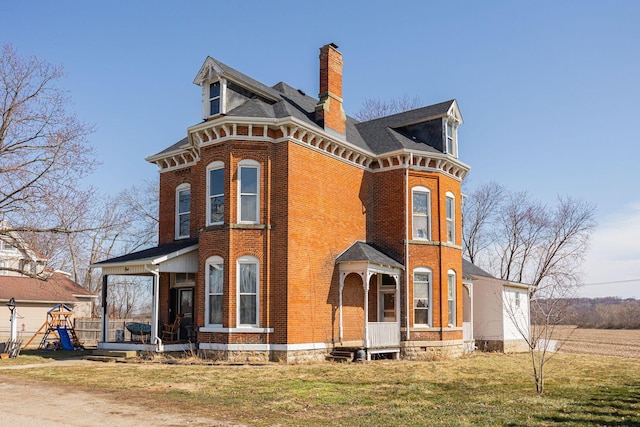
288, 229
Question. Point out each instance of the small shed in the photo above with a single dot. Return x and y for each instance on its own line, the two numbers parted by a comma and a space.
501, 313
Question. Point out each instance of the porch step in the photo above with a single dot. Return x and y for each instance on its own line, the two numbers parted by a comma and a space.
123, 354
104, 359
340, 356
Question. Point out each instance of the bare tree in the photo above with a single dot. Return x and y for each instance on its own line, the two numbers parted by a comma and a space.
522, 240
480, 214
44, 152
375, 108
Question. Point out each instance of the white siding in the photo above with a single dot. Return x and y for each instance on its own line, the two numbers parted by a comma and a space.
516, 318
488, 317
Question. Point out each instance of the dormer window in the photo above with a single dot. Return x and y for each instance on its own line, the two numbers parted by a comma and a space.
215, 104
451, 146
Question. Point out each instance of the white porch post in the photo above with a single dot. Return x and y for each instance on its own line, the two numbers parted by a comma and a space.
341, 287
155, 305
366, 308
105, 312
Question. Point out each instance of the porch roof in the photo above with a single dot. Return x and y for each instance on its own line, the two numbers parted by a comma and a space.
364, 252
157, 255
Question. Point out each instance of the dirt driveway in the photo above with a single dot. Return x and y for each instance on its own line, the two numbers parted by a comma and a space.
29, 403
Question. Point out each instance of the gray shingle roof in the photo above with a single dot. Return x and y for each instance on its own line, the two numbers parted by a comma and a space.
151, 253
377, 136
361, 251
470, 270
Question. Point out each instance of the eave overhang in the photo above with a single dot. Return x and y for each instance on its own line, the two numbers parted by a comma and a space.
295, 130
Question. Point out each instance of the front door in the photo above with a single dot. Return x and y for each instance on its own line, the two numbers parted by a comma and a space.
388, 306
185, 307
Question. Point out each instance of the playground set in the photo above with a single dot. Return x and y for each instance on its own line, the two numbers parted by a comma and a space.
58, 332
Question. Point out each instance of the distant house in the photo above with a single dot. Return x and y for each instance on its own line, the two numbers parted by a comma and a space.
500, 311
289, 230
35, 289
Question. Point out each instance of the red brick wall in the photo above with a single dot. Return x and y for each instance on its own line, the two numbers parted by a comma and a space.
309, 217
326, 215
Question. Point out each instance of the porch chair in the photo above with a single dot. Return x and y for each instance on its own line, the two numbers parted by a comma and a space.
170, 330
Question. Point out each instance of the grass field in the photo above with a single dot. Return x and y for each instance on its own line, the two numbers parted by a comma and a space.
481, 389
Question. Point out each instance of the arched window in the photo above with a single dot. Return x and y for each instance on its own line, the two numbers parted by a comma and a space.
183, 211
421, 223
422, 297
215, 193
451, 217
214, 280
248, 279
451, 297
249, 192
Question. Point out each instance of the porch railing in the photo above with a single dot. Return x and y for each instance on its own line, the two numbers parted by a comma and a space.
384, 334
466, 331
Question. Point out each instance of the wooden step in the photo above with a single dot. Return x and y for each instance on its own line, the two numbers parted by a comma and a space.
104, 359
124, 354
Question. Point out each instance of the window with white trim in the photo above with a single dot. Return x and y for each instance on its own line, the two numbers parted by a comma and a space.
422, 315
421, 213
451, 297
248, 302
215, 193
248, 192
3, 265
451, 146
214, 280
183, 211
215, 100
450, 214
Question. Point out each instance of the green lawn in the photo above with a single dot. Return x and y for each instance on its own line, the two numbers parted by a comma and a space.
482, 389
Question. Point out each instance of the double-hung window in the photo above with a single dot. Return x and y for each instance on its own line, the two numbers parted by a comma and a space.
248, 192
215, 290
421, 213
422, 296
183, 211
451, 142
215, 193
450, 214
248, 302
451, 297
214, 99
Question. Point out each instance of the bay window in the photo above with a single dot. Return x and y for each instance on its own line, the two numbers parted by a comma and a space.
248, 302
215, 193
422, 315
214, 285
421, 213
248, 192
183, 211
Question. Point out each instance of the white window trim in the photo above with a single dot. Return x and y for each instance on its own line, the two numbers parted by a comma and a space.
454, 138
206, 101
451, 196
247, 260
246, 163
180, 188
429, 300
425, 190
453, 314
211, 167
211, 261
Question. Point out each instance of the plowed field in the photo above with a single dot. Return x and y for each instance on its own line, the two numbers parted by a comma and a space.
607, 342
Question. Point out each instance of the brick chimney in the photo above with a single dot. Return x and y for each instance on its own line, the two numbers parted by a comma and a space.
329, 112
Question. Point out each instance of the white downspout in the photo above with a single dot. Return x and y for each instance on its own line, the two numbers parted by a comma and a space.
406, 241
155, 307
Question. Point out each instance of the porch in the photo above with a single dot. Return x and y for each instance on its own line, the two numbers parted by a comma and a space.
369, 290
161, 266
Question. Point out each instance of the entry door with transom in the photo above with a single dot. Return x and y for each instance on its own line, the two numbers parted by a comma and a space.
387, 299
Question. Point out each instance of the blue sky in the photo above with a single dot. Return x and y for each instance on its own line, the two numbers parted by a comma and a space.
548, 89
